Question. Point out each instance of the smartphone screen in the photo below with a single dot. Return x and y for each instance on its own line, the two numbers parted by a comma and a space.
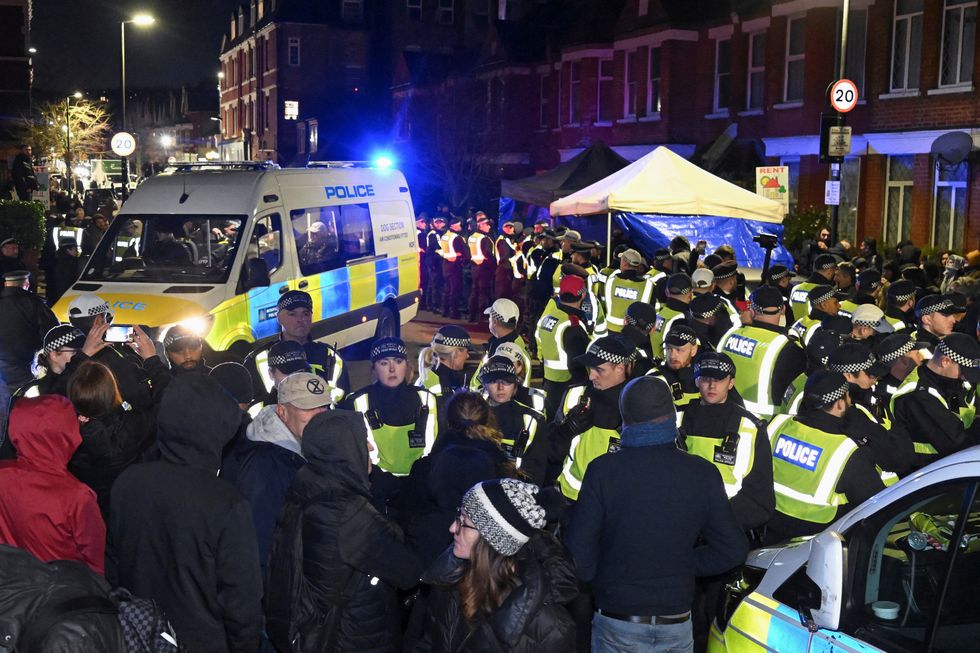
119, 333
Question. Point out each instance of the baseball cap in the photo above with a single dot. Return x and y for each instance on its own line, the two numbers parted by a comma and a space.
88, 305
679, 284
934, 304
572, 236
893, 347
963, 350
725, 270
179, 337
451, 335
510, 350
439, 218
504, 310
869, 315
481, 217
304, 390
901, 291
16, 275
641, 315
607, 349
661, 255
869, 281
704, 306
702, 278
714, 365
63, 336
293, 299
288, 357
8, 241
854, 357
839, 324
67, 241
825, 262
824, 387
632, 257
680, 335
821, 345
820, 294
778, 272
571, 287
766, 299
498, 368
388, 348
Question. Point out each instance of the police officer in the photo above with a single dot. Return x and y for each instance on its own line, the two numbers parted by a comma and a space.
541, 285
818, 350
901, 302
441, 364
569, 241
587, 424
433, 253
402, 419
680, 348
709, 319
680, 291
937, 406
899, 352
455, 253
819, 470
766, 360
504, 316
936, 315
823, 303
726, 287
868, 423
284, 358
868, 289
54, 365
508, 255
580, 264
780, 277
522, 428
868, 323
483, 264
717, 427
640, 320
422, 237
535, 398
295, 317
562, 337
24, 319
624, 286
824, 269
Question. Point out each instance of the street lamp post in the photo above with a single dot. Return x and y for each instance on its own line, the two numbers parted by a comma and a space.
140, 20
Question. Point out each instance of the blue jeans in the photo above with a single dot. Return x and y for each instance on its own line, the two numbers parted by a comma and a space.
615, 636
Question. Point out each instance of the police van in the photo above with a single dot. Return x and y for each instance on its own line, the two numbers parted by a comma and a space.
898, 573
213, 246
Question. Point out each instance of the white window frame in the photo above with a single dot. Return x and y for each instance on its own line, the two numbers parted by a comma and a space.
793, 58
300, 137
413, 9
794, 189
313, 135
653, 108
355, 6
957, 188
544, 100
716, 104
755, 70
574, 93
960, 7
446, 15
909, 18
902, 186
292, 43
600, 80
629, 84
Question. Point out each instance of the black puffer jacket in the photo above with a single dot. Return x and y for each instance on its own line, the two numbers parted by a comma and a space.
28, 589
531, 618
349, 549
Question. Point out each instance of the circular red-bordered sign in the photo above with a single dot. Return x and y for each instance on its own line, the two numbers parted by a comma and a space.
843, 95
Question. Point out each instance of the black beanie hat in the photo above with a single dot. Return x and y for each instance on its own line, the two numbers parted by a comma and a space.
234, 378
647, 399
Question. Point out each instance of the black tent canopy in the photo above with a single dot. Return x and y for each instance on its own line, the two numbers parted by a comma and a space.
595, 162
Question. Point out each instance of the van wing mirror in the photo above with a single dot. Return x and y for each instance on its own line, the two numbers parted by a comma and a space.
825, 567
256, 274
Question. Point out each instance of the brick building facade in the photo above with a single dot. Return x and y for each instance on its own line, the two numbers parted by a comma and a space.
730, 85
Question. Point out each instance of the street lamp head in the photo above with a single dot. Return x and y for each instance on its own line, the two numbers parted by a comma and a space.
143, 20
32, 50
166, 140
221, 75
77, 95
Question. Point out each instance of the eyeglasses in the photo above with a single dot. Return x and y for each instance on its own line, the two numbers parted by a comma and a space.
459, 521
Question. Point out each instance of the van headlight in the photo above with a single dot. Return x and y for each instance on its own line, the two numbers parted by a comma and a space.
742, 583
198, 325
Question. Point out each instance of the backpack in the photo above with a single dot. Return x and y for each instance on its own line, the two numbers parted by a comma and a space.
293, 620
144, 626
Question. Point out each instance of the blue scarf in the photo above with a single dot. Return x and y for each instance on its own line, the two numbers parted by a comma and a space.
646, 434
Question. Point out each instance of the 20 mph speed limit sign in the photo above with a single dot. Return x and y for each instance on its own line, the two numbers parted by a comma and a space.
123, 143
843, 95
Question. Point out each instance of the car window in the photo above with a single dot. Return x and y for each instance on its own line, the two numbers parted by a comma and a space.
329, 237
267, 241
903, 559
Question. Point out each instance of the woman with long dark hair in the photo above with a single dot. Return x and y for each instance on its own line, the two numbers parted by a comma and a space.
502, 584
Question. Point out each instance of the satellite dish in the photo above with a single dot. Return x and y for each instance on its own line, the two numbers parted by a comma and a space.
952, 148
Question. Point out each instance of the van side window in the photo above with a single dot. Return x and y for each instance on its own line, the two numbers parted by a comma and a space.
267, 241
328, 237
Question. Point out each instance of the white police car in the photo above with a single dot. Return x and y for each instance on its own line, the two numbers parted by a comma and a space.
901, 572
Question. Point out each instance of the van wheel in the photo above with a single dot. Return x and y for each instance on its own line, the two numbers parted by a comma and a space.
388, 324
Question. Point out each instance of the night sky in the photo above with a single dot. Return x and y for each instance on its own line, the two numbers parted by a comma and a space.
78, 42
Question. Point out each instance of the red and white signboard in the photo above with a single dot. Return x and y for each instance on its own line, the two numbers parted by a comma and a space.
843, 95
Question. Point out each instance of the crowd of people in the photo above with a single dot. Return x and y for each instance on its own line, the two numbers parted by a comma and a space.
680, 420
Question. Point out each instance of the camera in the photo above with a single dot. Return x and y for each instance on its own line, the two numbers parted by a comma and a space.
766, 241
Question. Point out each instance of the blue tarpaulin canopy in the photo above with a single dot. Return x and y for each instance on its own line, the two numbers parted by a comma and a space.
663, 195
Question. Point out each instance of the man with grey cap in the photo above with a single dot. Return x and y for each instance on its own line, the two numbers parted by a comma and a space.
624, 286
263, 464
24, 319
819, 470
937, 403
869, 323
570, 240
631, 531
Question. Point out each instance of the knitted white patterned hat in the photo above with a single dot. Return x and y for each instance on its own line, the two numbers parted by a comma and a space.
505, 512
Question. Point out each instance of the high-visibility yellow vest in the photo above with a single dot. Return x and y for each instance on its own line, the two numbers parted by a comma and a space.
798, 299
585, 448
396, 448
549, 335
803, 329
666, 317
733, 465
754, 351
967, 413
446, 249
476, 384
807, 466
476, 248
620, 293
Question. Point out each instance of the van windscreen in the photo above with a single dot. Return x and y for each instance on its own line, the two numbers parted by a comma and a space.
166, 249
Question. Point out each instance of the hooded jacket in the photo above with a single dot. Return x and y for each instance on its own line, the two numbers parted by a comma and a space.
262, 466
353, 557
182, 536
43, 508
531, 617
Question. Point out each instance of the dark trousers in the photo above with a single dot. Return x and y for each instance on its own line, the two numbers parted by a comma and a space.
433, 291
424, 281
481, 293
505, 286
452, 288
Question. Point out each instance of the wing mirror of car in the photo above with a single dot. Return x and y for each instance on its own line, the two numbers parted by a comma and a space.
825, 567
256, 274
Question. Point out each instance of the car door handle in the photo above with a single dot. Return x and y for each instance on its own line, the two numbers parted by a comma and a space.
283, 289
303, 284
